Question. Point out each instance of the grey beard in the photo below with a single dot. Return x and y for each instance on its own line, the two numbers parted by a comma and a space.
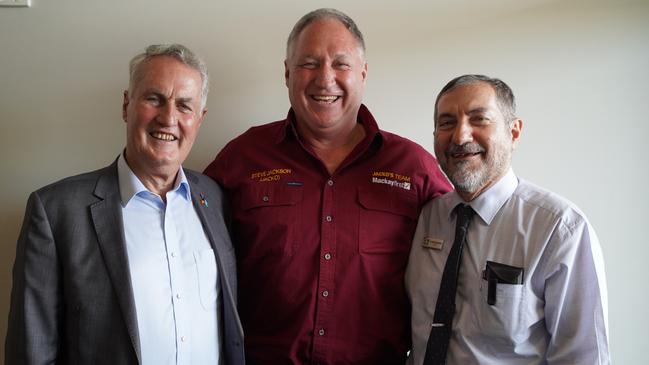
466, 180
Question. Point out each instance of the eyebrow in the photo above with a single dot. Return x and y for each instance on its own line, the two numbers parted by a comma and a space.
336, 56
446, 115
478, 110
184, 99
159, 93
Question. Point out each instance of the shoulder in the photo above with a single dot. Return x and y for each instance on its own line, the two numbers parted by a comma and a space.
77, 183
397, 145
256, 141
437, 207
257, 134
406, 153
549, 204
263, 128
394, 140
72, 195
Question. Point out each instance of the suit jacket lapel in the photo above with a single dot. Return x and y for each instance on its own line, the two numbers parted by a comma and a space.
107, 219
206, 215
209, 215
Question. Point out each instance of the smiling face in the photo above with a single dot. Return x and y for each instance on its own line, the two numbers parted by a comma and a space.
325, 74
162, 117
473, 142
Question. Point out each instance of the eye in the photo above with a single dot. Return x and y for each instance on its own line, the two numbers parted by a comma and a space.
445, 124
185, 108
343, 66
154, 99
309, 65
479, 119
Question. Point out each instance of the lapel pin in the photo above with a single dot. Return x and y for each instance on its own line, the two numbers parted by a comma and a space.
203, 200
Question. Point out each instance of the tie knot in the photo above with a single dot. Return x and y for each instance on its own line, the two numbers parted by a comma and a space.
464, 214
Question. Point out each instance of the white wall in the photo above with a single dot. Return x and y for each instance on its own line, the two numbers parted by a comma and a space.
578, 68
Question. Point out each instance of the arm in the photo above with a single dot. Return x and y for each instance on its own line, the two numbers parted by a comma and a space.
576, 298
33, 334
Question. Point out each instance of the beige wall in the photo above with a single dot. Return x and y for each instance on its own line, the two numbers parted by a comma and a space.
578, 68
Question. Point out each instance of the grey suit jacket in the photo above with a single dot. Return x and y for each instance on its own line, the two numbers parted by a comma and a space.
72, 300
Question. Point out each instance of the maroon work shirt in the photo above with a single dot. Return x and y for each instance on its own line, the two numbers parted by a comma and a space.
321, 258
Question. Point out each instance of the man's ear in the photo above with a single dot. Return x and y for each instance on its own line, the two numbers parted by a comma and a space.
286, 72
200, 119
516, 128
364, 72
125, 105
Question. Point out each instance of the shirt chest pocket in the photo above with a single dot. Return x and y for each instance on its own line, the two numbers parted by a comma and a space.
505, 318
267, 220
387, 220
206, 272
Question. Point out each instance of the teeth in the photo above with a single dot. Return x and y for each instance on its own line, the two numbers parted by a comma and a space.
163, 136
460, 155
327, 98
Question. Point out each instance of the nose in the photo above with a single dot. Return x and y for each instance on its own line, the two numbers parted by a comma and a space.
167, 114
325, 76
463, 132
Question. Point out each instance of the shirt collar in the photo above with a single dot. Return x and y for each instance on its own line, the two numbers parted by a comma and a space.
487, 204
130, 185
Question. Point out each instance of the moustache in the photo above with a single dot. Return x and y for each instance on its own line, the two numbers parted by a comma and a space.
467, 148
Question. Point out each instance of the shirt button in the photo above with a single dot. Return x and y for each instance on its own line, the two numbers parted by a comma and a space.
330, 182
325, 293
177, 296
265, 198
173, 254
328, 218
327, 256
182, 338
321, 332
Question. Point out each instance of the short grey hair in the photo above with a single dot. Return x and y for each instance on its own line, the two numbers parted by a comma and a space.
177, 51
504, 95
322, 14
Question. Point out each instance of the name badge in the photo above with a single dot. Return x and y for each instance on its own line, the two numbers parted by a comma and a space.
434, 243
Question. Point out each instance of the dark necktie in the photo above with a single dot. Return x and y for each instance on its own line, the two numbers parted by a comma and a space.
440, 332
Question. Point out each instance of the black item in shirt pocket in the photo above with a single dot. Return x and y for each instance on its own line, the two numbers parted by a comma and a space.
496, 273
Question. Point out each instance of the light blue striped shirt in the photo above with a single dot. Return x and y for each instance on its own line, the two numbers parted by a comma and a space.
173, 273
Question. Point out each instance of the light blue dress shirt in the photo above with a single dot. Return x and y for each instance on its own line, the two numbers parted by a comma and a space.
558, 315
173, 273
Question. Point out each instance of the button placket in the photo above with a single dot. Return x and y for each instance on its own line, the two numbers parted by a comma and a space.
172, 243
325, 283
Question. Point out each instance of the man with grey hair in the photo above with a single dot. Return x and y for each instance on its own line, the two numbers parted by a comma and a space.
132, 263
324, 205
520, 280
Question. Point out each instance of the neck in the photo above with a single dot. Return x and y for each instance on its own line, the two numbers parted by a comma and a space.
159, 181
159, 184
468, 196
333, 148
